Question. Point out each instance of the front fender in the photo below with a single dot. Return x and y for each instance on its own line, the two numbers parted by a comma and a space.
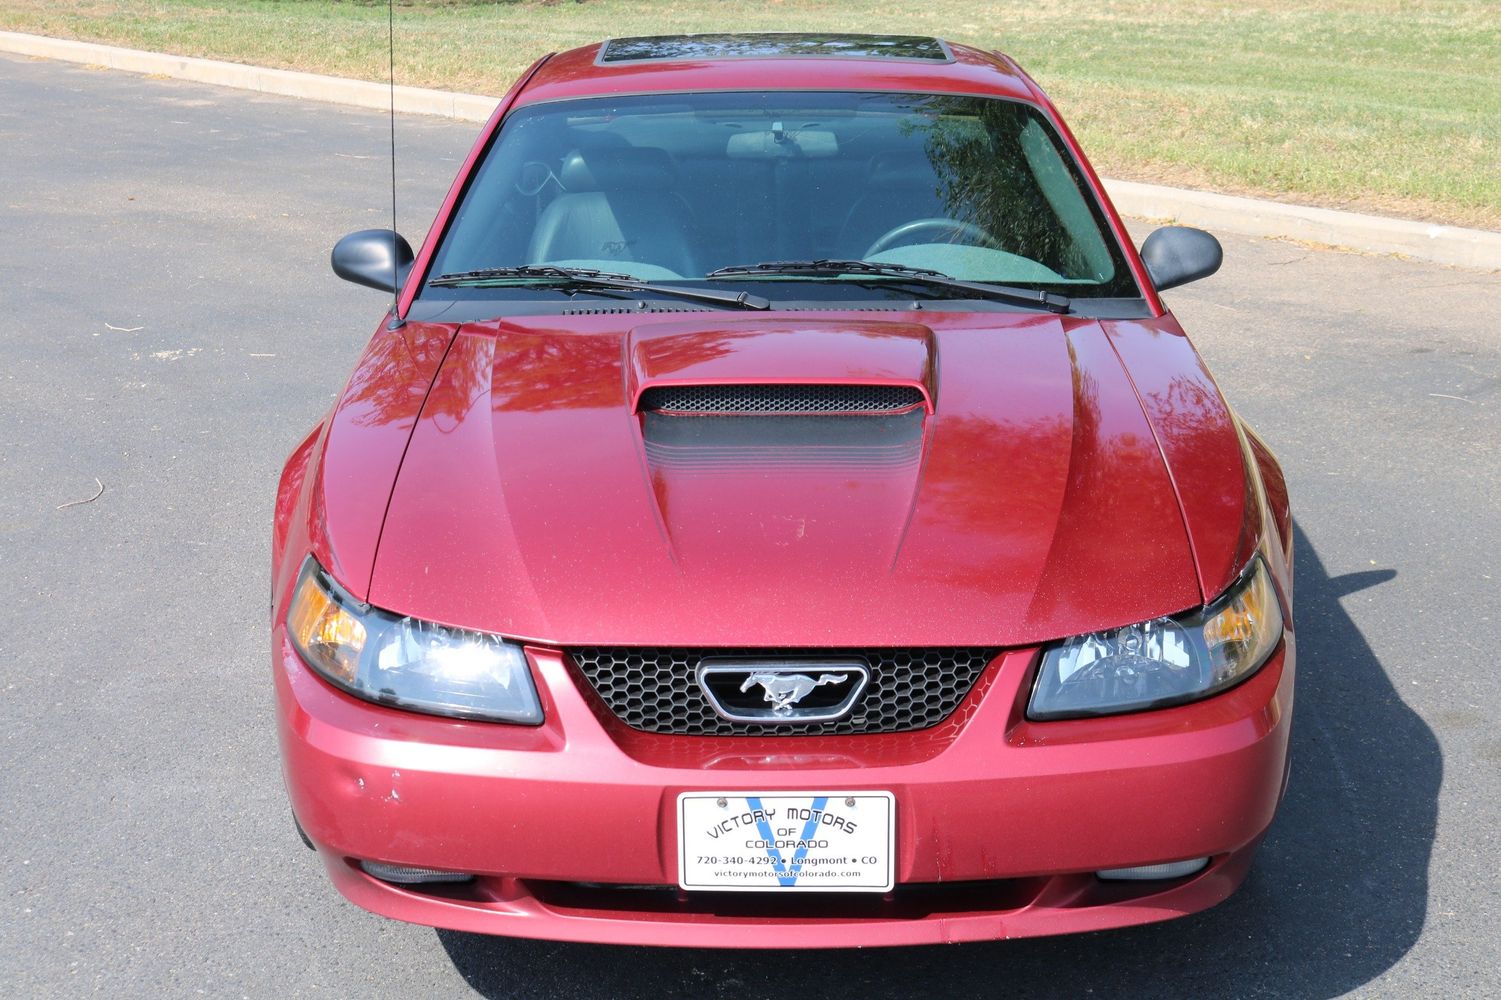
337, 483
290, 496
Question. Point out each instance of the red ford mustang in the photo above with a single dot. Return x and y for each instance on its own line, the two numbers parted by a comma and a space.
779, 511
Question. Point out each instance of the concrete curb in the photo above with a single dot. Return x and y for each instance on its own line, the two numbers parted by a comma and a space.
1453, 245
281, 82
1479, 248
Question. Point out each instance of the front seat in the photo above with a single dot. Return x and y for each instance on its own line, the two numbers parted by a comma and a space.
619, 205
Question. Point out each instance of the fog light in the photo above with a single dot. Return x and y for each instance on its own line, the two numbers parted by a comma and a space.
404, 875
1152, 873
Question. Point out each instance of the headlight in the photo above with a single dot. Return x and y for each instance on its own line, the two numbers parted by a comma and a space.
406, 662
1165, 661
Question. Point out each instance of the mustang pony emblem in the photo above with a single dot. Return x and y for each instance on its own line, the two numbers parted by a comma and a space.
786, 690
729, 683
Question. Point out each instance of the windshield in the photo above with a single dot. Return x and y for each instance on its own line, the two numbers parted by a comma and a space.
669, 187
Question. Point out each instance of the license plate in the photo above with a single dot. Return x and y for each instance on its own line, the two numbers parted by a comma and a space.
781, 842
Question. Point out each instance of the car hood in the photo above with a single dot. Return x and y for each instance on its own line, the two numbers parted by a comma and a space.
1023, 497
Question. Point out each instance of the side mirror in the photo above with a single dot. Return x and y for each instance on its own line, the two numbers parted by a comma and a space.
375, 258
1176, 255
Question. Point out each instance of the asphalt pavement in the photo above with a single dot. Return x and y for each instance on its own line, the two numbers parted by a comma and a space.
169, 329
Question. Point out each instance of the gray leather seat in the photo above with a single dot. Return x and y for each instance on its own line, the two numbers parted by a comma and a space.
620, 204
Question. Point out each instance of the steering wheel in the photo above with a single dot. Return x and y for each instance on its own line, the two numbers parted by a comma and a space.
533, 177
953, 229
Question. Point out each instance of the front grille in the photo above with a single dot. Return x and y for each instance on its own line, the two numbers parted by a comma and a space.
782, 398
656, 691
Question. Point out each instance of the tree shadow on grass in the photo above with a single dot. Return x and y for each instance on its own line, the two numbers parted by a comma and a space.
1338, 894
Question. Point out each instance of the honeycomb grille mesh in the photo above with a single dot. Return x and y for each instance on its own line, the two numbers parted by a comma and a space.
782, 398
656, 691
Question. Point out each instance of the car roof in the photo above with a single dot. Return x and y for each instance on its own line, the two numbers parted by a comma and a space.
775, 61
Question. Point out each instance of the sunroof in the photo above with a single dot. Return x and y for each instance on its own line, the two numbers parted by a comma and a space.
772, 45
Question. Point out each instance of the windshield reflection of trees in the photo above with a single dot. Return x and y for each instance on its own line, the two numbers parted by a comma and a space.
983, 176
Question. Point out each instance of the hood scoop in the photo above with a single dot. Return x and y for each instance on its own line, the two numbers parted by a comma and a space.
807, 366
780, 399
779, 434
852, 456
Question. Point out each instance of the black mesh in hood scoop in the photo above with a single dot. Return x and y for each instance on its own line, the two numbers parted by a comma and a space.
753, 398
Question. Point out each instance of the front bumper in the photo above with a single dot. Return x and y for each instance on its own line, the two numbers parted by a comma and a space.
571, 826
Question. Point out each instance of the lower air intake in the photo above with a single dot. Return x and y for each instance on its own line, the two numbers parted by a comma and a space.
407, 875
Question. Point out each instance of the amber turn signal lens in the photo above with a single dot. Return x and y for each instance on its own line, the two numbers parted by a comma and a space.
1233, 625
1246, 628
1165, 661
324, 631
405, 662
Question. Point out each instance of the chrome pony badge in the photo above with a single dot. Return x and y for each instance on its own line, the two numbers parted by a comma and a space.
782, 691
786, 690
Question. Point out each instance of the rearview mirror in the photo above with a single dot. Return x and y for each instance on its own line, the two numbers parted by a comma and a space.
779, 143
375, 258
1176, 255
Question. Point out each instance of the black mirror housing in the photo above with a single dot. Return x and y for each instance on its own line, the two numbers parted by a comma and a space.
375, 258
1176, 255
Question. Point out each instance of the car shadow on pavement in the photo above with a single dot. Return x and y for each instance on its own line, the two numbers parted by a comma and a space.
1337, 896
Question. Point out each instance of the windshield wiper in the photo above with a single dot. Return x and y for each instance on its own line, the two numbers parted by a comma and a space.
584, 277
1051, 301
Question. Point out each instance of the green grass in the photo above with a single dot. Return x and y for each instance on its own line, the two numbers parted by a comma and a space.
1390, 106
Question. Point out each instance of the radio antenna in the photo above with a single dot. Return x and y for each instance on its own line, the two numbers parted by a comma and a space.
396, 320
